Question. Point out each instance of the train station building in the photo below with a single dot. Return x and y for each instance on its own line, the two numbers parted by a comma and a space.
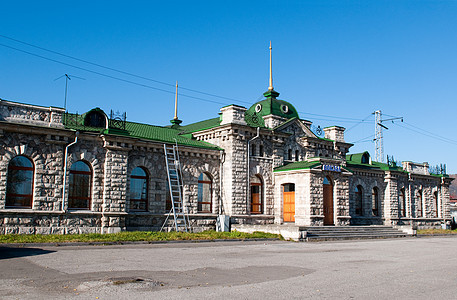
97, 172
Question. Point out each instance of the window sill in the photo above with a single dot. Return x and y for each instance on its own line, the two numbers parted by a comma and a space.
30, 211
260, 216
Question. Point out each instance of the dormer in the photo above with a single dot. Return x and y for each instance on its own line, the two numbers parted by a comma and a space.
96, 118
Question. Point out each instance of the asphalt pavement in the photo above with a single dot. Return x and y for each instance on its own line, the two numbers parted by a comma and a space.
411, 268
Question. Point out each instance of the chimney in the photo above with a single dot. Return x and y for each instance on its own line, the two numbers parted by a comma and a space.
233, 114
335, 133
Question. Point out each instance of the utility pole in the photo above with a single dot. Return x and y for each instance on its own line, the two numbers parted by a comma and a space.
379, 141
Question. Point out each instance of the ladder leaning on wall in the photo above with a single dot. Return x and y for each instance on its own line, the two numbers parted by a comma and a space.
175, 184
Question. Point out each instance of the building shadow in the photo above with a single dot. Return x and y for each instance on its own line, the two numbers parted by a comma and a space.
12, 252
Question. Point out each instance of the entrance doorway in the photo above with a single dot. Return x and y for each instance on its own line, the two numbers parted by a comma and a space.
328, 202
256, 195
288, 195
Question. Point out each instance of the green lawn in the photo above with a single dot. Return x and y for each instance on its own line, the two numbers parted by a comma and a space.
436, 231
133, 236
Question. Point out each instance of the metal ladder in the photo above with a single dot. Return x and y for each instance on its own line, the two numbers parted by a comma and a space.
180, 222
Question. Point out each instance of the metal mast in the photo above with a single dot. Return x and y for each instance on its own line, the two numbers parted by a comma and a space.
379, 145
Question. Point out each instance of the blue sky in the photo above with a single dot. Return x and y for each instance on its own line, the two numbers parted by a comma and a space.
335, 61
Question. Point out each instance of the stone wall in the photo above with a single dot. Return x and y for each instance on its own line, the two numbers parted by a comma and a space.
390, 188
301, 180
368, 180
111, 160
46, 154
31, 114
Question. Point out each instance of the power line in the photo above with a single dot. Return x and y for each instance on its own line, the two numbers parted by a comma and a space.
432, 133
332, 118
120, 71
428, 134
110, 76
365, 138
346, 118
364, 141
335, 118
363, 120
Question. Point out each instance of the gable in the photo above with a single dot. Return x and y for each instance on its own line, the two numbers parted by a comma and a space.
295, 127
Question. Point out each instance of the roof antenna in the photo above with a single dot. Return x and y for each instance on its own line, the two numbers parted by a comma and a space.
67, 77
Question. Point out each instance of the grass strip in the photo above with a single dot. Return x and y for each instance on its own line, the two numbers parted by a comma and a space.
132, 236
436, 231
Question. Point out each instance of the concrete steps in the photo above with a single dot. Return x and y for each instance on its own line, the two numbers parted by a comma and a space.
327, 233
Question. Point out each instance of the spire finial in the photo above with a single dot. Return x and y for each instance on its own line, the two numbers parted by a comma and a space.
270, 88
175, 120
176, 102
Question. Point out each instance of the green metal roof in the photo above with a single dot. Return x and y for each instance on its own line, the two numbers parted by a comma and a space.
356, 157
298, 165
202, 125
144, 131
269, 106
355, 161
325, 139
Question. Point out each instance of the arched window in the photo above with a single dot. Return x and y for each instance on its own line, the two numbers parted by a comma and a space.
359, 200
256, 195
365, 158
95, 118
297, 155
19, 183
205, 192
80, 183
435, 197
375, 202
139, 189
261, 150
253, 150
289, 154
327, 181
419, 203
402, 203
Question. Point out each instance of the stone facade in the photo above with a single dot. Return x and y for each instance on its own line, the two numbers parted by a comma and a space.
111, 160
250, 158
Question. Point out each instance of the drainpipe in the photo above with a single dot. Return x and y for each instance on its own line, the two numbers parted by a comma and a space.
441, 209
221, 193
65, 170
248, 166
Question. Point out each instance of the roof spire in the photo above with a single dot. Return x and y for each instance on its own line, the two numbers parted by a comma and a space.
175, 120
176, 102
270, 88
271, 93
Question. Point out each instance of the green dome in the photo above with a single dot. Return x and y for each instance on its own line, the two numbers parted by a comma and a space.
269, 106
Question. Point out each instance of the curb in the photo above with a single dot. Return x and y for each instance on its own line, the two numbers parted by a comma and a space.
437, 235
63, 244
